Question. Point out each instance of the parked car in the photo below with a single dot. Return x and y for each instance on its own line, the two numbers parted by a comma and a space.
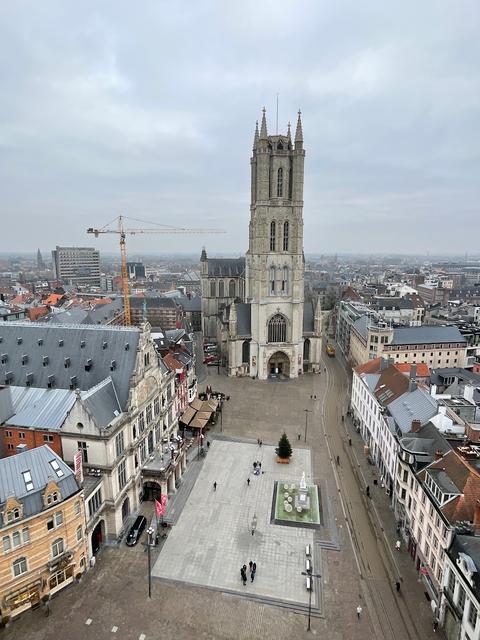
136, 531
209, 359
216, 362
210, 349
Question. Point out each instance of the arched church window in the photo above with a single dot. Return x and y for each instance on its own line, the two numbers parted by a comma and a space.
285, 280
280, 183
272, 235
246, 352
306, 349
272, 280
280, 146
277, 328
212, 289
285, 236
231, 289
221, 289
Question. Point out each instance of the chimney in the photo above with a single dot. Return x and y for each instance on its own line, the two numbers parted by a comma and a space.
412, 385
476, 518
438, 454
413, 371
20, 448
6, 404
383, 363
416, 425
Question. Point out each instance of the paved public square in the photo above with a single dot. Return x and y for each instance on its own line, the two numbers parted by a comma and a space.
213, 537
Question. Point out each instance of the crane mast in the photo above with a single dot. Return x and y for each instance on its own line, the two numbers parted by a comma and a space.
122, 232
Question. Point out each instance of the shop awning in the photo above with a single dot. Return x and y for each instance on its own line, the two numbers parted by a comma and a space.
187, 416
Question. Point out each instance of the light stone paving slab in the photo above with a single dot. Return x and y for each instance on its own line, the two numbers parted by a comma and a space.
213, 539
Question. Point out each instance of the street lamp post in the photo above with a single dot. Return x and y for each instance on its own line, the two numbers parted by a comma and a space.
150, 532
311, 576
307, 411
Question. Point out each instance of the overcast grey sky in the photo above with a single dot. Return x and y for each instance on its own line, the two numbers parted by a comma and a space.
148, 108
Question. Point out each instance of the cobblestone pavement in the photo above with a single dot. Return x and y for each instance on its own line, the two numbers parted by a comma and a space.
113, 597
213, 537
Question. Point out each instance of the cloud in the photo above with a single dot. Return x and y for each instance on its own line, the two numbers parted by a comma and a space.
150, 110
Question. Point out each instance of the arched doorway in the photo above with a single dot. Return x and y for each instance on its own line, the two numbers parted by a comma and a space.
125, 508
279, 364
246, 352
98, 536
151, 491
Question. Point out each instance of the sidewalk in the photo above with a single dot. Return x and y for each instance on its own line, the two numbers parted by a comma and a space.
402, 567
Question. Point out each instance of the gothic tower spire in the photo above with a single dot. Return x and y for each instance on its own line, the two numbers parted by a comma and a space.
263, 129
299, 132
256, 137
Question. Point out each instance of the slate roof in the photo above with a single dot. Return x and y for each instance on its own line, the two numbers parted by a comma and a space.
102, 402
413, 405
393, 303
308, 317
190, 304
104, 312
50, 336
37, 461
226, 267
75, 315
40, 408
360, 325
244, 318
439, 376
426, 334
152, 302
424, 443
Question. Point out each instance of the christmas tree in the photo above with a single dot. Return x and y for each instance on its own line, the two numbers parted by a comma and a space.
284, 449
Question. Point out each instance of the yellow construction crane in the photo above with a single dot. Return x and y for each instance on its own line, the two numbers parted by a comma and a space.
122, 232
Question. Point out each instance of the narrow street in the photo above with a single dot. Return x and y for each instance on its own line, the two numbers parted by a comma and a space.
402, 616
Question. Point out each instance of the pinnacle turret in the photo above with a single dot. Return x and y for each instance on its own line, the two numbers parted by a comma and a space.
263, 129
289, 133
299, 131
256, 137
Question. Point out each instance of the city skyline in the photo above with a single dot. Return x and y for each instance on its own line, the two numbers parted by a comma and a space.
110, 111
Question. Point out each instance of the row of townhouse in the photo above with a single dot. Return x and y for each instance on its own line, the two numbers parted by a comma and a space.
434, 482
102, 394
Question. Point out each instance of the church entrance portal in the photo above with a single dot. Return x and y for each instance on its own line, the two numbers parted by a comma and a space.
279, 364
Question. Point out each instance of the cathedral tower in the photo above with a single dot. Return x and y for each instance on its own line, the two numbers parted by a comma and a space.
275, 263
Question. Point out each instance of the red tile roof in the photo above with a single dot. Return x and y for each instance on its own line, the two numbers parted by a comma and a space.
372, 366
422, 369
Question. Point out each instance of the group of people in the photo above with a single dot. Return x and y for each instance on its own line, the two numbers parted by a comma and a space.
252, 568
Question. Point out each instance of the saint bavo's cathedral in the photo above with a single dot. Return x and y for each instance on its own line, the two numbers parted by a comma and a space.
255, 307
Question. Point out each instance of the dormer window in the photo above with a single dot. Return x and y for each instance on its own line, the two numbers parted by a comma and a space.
40, 342
27, 478
51, 381
88, 364
29, 379
104, 345
60, 343
82, 344
45, 361
52, 498
127, 346
13, 514
73, 382
66, 362
440, 486
113, 365
19, 340
4, 358
24, 358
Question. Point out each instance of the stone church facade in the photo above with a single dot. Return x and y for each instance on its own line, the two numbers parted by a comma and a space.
263, 323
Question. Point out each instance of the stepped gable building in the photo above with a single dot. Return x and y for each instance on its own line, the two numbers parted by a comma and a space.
256, 308
122, 415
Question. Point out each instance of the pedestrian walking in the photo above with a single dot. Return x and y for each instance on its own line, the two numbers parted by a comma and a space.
350, 442
243, 573
398, 544
397, 586
261, 442
338, 460
248, 481
299, 437
368, 491
252, 575
250, 565
215, 485
259, 465
208, 444
254, 466
359, 611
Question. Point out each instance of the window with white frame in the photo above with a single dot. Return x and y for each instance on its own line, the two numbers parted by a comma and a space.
119, 444
122, 475
79, 534
20, 567
58, 547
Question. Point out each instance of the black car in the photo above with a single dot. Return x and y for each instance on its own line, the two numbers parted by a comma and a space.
136, 531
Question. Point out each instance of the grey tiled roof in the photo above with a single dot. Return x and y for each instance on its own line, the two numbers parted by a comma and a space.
50, 337
426, 335
226, 267
412, 405
244, 319
40, 408
152, 302
308, 317
102, 402
360, 325
37, 461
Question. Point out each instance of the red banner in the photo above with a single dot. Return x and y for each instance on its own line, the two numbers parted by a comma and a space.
159, 509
